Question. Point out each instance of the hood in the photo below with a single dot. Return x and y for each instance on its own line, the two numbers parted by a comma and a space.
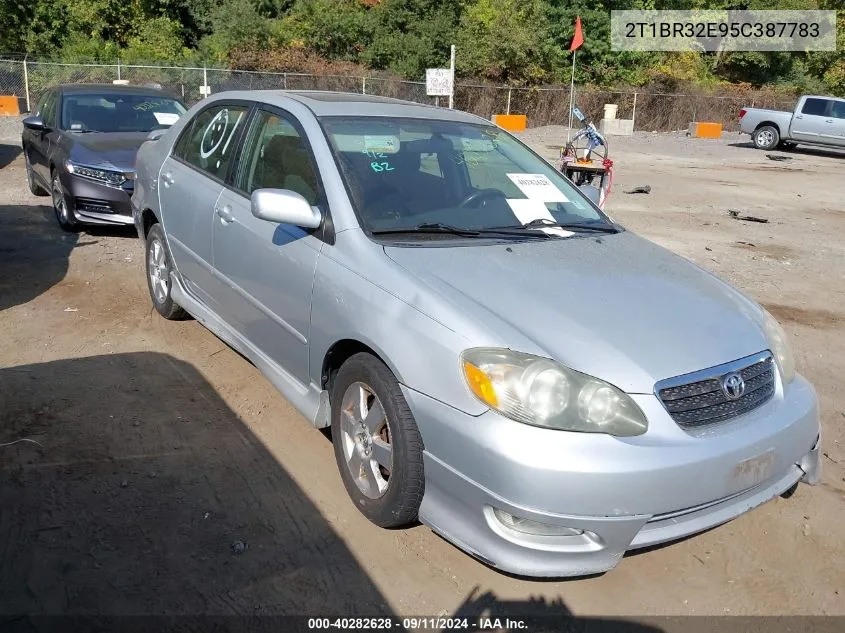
617, 307
106, 149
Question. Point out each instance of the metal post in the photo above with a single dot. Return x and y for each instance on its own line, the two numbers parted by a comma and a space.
509, 102
452, 71
285, 80
634, 113
118, 69
26, 85
571, 98
363, 85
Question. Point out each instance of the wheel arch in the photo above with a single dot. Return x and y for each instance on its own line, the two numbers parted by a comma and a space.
342, 350
148, 219
764, 123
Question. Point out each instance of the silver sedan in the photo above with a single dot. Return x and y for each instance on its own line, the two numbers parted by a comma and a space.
495, 356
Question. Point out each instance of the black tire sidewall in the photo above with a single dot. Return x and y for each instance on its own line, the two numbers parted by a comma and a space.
400, 504
773, 144
69, 224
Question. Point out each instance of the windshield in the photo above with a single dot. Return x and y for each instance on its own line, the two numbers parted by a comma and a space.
116, 112
407, 173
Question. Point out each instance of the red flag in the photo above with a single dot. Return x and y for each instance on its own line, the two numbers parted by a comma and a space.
578, 39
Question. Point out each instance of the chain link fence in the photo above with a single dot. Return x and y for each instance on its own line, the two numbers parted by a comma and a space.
543, 106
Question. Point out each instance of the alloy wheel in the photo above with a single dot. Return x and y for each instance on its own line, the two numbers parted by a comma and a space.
366, 440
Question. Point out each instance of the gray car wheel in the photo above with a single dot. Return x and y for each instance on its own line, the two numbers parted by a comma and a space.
377, 445
64, 214
766, 137
159, 267
34, 188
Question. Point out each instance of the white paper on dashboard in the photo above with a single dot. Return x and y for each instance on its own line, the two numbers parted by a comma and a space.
166, 118
538, 187
528, 210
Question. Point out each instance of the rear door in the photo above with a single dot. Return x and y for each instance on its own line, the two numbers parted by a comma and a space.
190, 183
267, 269
813, 123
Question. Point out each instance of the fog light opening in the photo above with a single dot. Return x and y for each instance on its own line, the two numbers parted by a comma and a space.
527, 526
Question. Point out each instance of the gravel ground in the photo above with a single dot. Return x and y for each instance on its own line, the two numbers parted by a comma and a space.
170, 477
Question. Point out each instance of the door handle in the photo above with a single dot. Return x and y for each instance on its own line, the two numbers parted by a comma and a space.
167, 179
828, 121
225, 214
798, 116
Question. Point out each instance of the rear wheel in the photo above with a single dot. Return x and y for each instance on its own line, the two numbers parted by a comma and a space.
787, 145
34, 188
377, 445
159, 267
61, 206
766, 137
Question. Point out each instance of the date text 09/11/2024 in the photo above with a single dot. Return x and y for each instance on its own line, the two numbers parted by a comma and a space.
419, 623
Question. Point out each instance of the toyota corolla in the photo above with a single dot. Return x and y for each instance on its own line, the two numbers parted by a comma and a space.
495, 356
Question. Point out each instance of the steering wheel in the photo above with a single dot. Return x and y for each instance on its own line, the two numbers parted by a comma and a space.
478, 196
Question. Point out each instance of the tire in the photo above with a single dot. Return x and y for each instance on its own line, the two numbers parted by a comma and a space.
388, 496
159, 266
787, 145
34, 188
766, 137
64, 215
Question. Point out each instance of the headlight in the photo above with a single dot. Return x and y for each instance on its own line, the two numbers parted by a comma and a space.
779, 345
541, 392
105, 176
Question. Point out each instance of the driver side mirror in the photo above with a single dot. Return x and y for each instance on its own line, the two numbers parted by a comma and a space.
35, 123
284, 206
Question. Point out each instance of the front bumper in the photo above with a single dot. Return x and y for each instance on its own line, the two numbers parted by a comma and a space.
621, 493
95, 203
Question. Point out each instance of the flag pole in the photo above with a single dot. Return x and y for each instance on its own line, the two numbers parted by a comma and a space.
571, 97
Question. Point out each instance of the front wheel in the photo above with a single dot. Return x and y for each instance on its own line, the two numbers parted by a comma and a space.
159, 267
377, 445
61, 206
766, 137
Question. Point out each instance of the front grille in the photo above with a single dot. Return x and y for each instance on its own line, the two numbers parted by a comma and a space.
92, 205
698, 399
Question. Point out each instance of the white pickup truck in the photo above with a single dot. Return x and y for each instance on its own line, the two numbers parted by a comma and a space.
816, 121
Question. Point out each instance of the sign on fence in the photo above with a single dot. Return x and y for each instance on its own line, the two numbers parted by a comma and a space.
438, 82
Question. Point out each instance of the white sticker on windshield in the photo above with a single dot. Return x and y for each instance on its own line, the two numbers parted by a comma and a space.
166, 118
538, 187
381, 144
476, 144
529, 210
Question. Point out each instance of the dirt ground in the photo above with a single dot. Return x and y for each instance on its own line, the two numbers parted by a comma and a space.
170, 478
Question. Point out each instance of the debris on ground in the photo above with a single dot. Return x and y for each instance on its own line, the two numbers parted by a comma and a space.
746, 218
778, 157
640, 189
71, 309
239, 547
746, 244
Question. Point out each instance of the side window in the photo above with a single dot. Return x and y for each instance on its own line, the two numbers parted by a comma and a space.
816, 107
210, 140
838, 110
276, 157
48, 109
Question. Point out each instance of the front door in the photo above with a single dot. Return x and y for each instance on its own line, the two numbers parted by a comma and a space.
812, 123
267, 269
837, 114
190, 184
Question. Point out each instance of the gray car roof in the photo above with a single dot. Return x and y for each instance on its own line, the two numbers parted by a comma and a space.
326, 103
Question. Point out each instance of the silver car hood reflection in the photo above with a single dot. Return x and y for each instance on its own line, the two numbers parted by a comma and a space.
613, 306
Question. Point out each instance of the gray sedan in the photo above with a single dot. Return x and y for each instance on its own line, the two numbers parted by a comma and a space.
494, 355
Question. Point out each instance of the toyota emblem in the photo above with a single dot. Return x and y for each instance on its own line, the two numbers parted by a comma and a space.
733, 385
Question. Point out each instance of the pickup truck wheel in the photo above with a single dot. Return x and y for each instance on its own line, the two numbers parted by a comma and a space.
766, 137
159, 267
376, 442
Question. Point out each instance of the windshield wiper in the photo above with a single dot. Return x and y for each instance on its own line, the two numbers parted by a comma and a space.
543, 223
448, 229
